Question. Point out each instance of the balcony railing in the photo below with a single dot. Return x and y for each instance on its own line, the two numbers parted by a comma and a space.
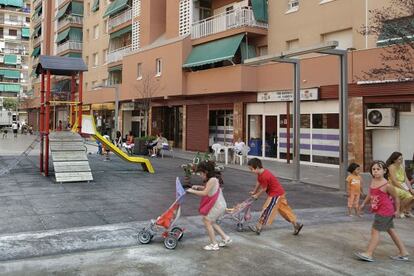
60, 2
118, 54
120, 19
36, 2
18, 23
71, 19
69, 45
241, 17
14, 51
36, 19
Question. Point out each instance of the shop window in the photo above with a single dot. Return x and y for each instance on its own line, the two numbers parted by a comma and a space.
220, 126
255, 138
325, 138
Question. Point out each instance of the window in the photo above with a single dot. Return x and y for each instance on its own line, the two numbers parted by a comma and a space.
104, 56
263, 50
293, 5
12, 32
89, 8
93, 84
292, 44
87, 34
106, 25
158, 66
86, 86
96, 32
344, 38
105, 82
139, 71
27, 19
87, 60
95, 59
13, 17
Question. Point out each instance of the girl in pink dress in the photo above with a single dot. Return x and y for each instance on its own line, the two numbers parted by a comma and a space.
385, 205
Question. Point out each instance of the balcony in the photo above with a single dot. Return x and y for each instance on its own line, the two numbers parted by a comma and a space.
36, 3
69, 45
241, 17
120, 19
72, 19
36, 19
14, 51
118, 54
36, 40
8, 22
60, 2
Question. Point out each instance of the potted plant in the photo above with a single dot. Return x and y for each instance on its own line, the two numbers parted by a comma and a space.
140, 144
188, 172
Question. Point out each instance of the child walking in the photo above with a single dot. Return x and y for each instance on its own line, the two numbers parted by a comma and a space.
354, 181
212, 205
276, 201
384, 209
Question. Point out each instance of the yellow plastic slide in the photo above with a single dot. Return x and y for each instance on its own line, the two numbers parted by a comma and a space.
88, 126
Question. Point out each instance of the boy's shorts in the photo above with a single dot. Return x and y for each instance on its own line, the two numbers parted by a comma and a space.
273, 206
353, 200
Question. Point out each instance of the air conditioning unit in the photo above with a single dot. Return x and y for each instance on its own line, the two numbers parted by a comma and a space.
381, 117
18, 59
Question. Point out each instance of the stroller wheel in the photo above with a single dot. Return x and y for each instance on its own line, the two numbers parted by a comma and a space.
170, 242
239, 227
144, 236
177, 232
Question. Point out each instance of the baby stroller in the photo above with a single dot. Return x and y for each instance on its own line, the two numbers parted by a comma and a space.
240, 213
166, 223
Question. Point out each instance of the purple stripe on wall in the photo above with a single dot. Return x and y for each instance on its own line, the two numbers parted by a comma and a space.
314, 147
302, 135
326, 136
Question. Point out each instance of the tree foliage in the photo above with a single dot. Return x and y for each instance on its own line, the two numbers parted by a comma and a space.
394, 27
10, 103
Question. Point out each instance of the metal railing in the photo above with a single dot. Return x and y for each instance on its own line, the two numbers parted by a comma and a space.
36, 40
36, 2
71, 19
36, 19
59, 2
14, 51
241, 17
118, 54
69, 45
120, 19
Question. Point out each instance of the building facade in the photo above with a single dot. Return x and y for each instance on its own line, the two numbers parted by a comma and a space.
14, 50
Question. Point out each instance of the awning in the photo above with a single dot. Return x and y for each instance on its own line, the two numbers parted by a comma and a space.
120, 32
115, 68
10, 88
25, 32
63, 10
38, 11
36, 52
215, 51
77, 8
74, 34
10, 59
95, 6
14, 3
116, 6
36, 31
11, 74
260, 10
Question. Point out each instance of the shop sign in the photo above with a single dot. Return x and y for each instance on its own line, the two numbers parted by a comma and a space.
84, 108
310, 94
103, 106
128, 106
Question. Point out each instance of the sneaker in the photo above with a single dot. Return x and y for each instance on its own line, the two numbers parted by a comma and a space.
400, 258
409, 215
225, 242
297, 228
255, 229
363, 257
153, 155
402, 216
211, 247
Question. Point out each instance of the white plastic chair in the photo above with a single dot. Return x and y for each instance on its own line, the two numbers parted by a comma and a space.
245, 150
218, 150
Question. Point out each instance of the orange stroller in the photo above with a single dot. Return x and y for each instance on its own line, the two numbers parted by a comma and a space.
166, 223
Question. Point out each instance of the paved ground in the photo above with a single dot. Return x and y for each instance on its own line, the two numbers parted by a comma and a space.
91, 229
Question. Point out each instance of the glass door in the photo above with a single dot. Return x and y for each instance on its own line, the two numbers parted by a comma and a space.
271, 138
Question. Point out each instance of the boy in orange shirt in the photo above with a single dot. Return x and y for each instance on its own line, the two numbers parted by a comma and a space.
354, 181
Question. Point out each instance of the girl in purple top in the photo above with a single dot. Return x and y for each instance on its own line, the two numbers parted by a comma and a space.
381, 195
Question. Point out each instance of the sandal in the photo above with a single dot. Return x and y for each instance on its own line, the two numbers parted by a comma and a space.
363, 257
400, 258
211, 247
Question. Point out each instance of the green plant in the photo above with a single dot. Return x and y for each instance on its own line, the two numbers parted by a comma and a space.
188, 170
145, 138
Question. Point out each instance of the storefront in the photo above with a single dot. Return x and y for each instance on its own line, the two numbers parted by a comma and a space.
266, 127
168, 121
104, 115
133, 119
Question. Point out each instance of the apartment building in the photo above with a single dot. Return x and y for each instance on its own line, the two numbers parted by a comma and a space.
188, 56
14, 49
57, 29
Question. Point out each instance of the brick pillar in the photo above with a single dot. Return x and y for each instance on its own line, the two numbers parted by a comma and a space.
356, 130
184, 143
238, 121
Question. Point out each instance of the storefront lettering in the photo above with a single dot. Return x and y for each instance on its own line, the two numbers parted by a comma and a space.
311, 94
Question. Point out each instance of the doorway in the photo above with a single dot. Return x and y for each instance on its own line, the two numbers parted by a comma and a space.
271, 138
